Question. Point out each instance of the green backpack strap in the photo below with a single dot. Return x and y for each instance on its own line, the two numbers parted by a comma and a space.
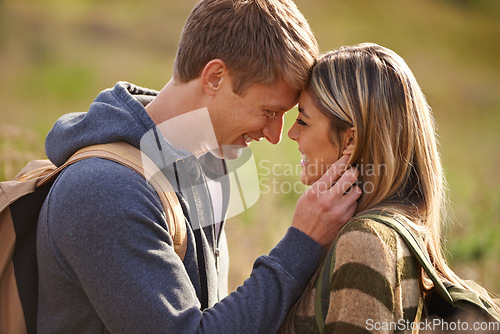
453, 295
324, 278
322, 300
415, 248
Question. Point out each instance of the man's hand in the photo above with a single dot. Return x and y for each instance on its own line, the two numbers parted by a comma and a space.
330, 202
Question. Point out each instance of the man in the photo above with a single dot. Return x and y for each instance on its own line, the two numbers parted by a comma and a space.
106, 259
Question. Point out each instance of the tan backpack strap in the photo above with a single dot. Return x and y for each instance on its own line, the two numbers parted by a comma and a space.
133, 158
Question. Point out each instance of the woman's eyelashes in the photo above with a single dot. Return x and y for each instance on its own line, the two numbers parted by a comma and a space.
300, 122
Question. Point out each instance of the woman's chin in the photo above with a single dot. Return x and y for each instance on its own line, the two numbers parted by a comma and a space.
307, 179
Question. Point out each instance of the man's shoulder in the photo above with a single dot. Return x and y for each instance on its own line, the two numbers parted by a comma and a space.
98, 172
101, 183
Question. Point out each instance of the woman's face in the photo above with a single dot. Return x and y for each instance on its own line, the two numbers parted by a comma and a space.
311, 131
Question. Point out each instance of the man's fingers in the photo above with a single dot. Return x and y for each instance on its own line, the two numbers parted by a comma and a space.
346, 181
332, 174
352, 196
346, 204
354, 193
350, 212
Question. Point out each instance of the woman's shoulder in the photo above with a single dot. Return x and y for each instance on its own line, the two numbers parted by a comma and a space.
373, 245
366, 225
374, 277
364, 233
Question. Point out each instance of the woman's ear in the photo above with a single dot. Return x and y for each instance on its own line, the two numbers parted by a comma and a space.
212, 74
349, 140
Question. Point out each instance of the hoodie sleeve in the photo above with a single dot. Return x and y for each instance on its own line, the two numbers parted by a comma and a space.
107, 232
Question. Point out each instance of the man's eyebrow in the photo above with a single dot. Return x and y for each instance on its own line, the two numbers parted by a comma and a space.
303, 112
283, 108
278, 109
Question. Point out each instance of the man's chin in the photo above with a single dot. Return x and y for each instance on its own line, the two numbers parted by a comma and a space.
229, 152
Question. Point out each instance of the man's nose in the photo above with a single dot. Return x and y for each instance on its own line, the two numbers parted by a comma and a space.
293, 133
273, 129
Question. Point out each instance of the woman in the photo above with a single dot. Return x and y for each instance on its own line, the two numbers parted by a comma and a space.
364, 101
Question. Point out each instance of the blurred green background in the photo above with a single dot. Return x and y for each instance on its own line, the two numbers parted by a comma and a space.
55, 56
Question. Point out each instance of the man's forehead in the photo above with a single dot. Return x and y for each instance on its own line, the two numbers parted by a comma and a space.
283, 100
282, 107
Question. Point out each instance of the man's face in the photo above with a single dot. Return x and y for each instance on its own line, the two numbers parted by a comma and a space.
240, 119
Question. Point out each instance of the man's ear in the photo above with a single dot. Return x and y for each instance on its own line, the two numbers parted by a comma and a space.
349, 140
212, 74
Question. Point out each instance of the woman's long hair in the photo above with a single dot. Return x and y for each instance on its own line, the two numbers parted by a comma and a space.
372, 89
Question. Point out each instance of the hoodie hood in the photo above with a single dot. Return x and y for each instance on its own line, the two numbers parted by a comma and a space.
116, 114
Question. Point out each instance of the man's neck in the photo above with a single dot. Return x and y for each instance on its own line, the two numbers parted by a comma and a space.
183, 120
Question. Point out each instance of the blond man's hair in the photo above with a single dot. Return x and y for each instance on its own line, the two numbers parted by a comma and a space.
260, 41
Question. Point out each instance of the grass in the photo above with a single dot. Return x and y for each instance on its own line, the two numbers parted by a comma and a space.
55, 56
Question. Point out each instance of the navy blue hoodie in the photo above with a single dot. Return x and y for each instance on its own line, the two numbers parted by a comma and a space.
106, 259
